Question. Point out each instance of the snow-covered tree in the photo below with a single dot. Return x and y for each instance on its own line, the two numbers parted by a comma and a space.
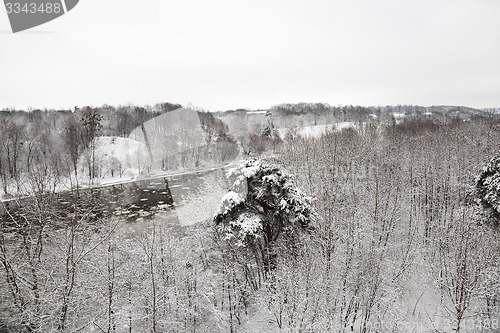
487, 190
264, 206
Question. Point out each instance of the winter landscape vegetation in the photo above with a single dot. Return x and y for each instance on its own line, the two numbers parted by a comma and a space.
300, 218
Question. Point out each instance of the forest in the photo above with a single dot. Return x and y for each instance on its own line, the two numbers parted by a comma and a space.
384, 227
60, 147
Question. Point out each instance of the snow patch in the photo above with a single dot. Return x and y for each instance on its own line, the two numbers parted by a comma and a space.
228, 201
314, 131
117, 159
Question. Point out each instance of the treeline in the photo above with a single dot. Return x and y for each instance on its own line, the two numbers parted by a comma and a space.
251, 128
297, 115
116, 120
355, 111
52, 142
321, 113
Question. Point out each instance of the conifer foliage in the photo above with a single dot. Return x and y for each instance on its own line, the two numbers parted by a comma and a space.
263, 208
487, 190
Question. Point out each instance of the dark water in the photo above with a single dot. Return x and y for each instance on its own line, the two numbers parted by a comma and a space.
132, 200
137, 202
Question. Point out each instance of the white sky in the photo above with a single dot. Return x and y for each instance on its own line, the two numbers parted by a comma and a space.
226, 54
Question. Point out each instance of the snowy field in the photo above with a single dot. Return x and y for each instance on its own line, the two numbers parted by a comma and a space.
314, 131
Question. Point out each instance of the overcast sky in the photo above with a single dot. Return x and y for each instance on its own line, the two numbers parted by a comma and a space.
227, 54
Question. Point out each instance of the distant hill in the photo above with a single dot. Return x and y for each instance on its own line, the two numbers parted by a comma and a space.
305, 115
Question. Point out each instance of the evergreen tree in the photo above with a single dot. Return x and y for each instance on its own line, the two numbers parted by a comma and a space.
264, 207
487, 190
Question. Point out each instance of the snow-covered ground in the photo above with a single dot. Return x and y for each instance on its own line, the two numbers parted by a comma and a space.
118, 159
123, 159
314, 131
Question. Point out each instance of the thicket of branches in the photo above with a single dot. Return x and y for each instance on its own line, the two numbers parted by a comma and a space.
401, 243
399, 246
